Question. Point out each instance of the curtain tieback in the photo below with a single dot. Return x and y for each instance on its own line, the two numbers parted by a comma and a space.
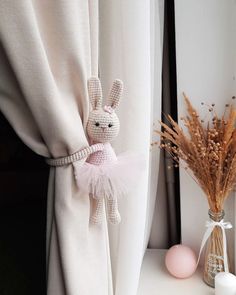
77, 156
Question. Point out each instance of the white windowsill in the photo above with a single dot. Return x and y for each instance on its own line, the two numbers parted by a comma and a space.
155, 280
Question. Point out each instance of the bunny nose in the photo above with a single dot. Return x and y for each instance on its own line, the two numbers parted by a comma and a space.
103, 128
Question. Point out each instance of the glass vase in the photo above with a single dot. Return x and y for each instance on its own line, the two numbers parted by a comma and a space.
214, 255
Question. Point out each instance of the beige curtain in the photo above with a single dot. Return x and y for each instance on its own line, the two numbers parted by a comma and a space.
48, 51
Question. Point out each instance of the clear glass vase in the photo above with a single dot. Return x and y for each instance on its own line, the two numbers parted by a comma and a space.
214, 256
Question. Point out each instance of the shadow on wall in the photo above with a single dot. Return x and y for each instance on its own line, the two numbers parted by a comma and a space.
23, 190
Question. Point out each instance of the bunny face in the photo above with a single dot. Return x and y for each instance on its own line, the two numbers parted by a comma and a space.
102, 126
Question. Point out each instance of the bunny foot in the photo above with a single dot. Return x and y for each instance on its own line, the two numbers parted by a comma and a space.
114, 218
97, 214
113, 213
96, 220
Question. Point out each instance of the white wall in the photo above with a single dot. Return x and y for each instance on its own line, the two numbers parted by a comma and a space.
205, 52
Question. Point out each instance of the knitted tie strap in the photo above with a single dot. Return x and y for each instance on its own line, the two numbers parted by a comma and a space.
77, 156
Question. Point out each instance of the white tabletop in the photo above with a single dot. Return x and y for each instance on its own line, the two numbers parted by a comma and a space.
155, 280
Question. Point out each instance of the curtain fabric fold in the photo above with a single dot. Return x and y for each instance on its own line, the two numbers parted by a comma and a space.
48, 51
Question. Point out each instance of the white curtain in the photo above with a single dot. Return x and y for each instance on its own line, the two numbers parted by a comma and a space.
131, 34
48, 51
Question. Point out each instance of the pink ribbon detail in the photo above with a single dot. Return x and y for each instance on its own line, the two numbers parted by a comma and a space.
108, 109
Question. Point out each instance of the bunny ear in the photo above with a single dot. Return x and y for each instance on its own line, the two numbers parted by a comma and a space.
95, 92
115, 94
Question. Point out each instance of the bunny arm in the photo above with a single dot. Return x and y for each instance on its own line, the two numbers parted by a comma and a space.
79, 155
84, 153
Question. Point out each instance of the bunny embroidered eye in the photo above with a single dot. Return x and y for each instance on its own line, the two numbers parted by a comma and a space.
110, 125
97, 124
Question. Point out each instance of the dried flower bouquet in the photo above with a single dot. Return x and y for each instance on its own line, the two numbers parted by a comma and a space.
207, 151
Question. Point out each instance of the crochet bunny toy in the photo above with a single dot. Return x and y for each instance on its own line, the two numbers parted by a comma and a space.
104, 175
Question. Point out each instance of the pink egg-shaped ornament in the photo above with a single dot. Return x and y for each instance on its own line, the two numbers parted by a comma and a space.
181, 261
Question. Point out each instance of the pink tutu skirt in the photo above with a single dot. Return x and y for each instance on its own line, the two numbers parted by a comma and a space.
111, 180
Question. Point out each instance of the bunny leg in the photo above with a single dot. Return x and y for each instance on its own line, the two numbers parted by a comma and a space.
97, 211
113, 212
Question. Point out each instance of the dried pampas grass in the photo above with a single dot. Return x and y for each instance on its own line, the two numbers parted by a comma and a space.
207, 150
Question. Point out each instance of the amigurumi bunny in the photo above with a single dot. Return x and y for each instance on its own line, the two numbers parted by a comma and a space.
104, 175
